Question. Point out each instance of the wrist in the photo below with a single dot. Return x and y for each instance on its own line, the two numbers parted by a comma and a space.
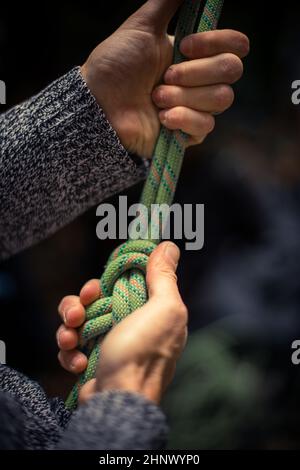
132, 379
106, 99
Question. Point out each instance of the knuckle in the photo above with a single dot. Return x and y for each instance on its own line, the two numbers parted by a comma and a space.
179, 116
224, 97
166, 272
181, 314
176, 117
167, 96
202, 43
210, 40
174, 97
194, 44
231, 67
179, 73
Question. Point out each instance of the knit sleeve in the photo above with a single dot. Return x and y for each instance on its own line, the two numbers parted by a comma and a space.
110, 420
28, 419
58, 157
116, 420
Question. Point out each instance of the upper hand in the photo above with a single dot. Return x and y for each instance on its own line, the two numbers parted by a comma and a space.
130, 77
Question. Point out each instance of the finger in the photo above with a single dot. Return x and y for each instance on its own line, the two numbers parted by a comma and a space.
87, 391
211, 99
188, 120
161, 271
71, 311
155, 15
67, 338
210, 43
224, 68
195, 140
90, 292
73, 361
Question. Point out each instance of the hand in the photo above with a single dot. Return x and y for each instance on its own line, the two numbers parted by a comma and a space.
140, 354
130, 77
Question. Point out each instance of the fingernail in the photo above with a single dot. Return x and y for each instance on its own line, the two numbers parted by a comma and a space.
244, 47
159, 95
170, 75
66, 314
172, 253
74, 363
186, 46
58, 338
163, 115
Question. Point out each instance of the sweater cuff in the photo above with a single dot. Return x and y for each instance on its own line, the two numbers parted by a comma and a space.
116, 420
69, 111
66, 118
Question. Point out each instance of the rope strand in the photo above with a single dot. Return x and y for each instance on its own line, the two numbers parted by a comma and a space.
122, 285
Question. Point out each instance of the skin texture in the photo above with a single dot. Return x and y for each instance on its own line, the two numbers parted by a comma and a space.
139, 355
130, 76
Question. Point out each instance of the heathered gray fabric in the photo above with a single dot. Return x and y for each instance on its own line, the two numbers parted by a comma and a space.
109, 421
59, 156
114, 420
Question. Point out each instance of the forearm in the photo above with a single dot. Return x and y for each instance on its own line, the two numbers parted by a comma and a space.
59, 156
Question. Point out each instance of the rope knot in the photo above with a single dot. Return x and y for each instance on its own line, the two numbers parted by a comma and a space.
122, 289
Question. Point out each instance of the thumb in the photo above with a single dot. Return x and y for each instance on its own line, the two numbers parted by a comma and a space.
161, 271
156, 14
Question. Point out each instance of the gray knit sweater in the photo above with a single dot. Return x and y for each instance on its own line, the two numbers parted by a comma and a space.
59, 156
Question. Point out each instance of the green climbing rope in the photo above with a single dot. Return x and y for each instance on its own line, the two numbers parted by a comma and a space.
122, 285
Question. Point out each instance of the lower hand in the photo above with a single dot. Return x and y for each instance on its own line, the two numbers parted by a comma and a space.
139, 354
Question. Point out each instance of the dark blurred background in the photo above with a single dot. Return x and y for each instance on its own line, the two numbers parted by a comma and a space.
235, 386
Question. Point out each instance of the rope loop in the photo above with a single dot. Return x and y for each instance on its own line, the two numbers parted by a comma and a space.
122, 290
